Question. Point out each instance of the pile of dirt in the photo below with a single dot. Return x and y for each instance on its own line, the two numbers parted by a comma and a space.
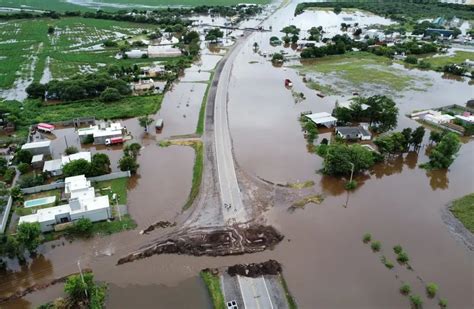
253, 270
159, 224
37, 287
212, 241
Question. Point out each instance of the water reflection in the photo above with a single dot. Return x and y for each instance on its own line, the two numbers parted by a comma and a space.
438, 179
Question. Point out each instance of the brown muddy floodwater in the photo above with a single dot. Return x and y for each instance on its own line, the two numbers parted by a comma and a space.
324, 260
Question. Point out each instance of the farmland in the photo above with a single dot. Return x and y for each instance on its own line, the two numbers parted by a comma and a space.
59, 5
75, 46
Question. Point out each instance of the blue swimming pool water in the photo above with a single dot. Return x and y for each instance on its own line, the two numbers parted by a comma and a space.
40, 201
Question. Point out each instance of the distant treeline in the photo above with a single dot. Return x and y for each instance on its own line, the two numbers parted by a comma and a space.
342, 43
399, 9
163, 16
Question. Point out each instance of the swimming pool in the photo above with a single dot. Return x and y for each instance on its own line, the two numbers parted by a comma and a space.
40, 201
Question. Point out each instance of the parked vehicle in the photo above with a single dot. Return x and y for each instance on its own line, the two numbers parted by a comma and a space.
114, 140
288, 83
45, 127
159, 124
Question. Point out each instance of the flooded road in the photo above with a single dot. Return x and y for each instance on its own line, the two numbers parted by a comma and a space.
324, 259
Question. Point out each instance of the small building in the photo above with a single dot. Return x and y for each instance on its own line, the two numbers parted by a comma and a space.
37, 161
322, 119
467, 118
55, 167
42, 147
354, 133
136, 53
97, 134
442, 32
82, 204
158, 51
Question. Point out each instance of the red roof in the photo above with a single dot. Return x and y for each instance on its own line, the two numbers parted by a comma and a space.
46, 125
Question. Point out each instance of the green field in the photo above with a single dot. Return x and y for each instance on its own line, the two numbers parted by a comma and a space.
463, 209
61, 5
354, 70
26, 45
458, 58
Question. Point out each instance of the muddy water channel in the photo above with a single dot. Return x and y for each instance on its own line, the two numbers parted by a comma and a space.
325, 262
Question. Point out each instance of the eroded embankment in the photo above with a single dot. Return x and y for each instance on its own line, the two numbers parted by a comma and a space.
217, 241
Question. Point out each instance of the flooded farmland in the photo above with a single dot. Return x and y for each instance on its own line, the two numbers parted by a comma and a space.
326, 264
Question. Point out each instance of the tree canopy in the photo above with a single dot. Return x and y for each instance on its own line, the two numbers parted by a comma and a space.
444, 153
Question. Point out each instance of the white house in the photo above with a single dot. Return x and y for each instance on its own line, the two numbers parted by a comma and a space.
55, 167
82, 204
99, 133
323, 118
155, 51
41, 147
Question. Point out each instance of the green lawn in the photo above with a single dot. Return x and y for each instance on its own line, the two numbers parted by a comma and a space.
458, 58
34, 111
357, 69
463, 209
61, 5
117, 186
213, 284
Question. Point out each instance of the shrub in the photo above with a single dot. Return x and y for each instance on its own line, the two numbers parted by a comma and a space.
367, 238
387, 262
376, 246
405, 289
110, 95
23, 167
9, 175
443, 303
351, 185
397, 249
431, 289
23, 156
71, 150
416, 301
83, 227
402, 257
411, 60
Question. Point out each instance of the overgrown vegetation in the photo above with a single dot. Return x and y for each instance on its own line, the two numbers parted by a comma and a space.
463, 210
214, 287
197, 173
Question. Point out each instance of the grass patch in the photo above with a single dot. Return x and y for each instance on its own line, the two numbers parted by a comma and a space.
457, 58
376, 246
115, 226
315, 199
386, 262
463, 210
358, 68
301, 185
117, 186
213, 284
202, 110
326, 89
289, 298
366, 238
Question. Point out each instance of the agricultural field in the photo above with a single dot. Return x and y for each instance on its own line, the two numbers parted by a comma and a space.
358, 71
61, 5
457, 57
29, 52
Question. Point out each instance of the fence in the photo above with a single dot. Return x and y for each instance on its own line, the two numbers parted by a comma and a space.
59, 185
6, 212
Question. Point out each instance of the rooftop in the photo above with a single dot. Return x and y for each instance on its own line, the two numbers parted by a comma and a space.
34, 145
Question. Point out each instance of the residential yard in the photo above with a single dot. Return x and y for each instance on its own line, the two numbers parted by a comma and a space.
457, 58
21, 210
463, 210
109, 187
354, 70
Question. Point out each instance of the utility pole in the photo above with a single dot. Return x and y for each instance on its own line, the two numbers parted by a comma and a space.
65, 139
82, 278
118, 209
352, 171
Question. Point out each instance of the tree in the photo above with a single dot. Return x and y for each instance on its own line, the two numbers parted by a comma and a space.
77, 167
127, 163
83, 227
311, 131
214, 34
190, 37
435, 136
76, 288
36, 90
381, 112
145, 121
443, 154
411, 60
23, 167
28, 235
50, 29
277, 57
340, 157
337, 9
100, 164
71, 150
132, 150
3, 165
417, 136
110, 95
27, 181
407, 132
23, 156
